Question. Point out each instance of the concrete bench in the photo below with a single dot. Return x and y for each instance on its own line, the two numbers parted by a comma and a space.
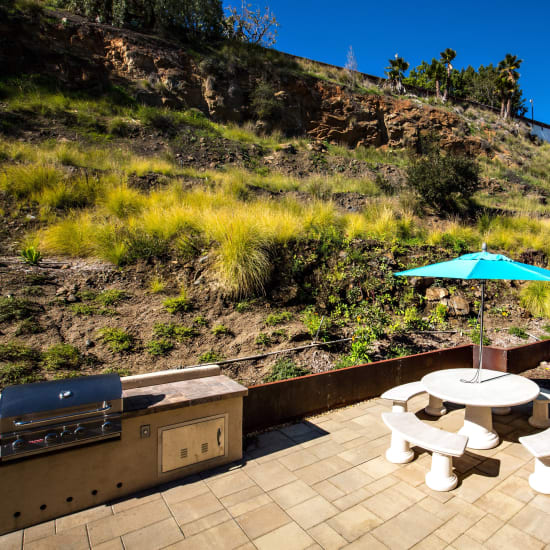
539, 446
401, 394
539, 418
443, 445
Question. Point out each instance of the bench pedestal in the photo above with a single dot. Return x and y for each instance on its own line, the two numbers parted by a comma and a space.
539, 419
478, 427
399, 451
441, 477
435, 407
540, 479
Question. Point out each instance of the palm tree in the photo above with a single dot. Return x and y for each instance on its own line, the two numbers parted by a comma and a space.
435, 72
508, 70
446, 57
395, 72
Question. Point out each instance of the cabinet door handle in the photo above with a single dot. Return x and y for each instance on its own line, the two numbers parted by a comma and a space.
219, 436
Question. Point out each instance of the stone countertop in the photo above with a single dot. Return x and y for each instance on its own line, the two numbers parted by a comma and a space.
151, 399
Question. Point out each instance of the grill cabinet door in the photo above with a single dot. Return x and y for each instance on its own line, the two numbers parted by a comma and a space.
193, 442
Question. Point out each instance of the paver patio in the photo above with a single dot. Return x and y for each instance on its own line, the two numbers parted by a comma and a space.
324, 483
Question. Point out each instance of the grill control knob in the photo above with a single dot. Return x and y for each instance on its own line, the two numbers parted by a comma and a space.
50, 437
80, 431
107, 426
66, 434
18, 444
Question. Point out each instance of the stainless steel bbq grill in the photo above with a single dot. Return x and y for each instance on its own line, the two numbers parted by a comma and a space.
46, 416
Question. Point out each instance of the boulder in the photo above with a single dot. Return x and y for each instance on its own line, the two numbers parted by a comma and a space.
435, 294
459, 305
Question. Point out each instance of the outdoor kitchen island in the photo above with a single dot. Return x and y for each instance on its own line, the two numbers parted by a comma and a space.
168, 431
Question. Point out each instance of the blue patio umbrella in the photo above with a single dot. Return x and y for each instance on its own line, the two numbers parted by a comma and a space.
481, 266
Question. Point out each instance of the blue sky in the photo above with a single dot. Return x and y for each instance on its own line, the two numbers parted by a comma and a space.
481, 32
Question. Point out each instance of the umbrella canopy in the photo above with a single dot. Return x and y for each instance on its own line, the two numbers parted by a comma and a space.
481, 266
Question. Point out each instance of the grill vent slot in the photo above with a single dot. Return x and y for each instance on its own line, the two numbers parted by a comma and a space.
204, 448
183, 453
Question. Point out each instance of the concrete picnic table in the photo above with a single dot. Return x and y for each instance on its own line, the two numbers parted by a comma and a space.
495, 389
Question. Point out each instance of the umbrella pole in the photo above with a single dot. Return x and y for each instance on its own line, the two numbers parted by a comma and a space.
481, 332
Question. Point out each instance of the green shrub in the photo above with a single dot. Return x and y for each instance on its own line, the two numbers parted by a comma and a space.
28, 326
157, 285
119, 127
117, 340
83, 309
399, 350
210, 356
12, 374
263, 102
241, 307
445, 182
519, 332
16, 309
200, 321
173, 331
263, 339
438, 316
160, 347
412, 320
31, 255
61, 356
117, 370
317, 325
285, 368
278, 318
535, 298
179, 304
221, 330
361, 348
111, 297
17, 352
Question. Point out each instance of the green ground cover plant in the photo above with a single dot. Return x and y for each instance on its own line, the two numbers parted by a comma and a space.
285, 368
278, 318
162, 346
61, 356
210, 356
117, 340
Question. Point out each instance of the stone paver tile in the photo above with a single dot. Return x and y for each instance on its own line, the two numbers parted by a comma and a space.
501, 465
515, 487
136, 500
365, 452
241, 496
227, 485
183, 491
153, 537
300, 429
431, 542
113, 544
510, 538
351, 499
412, 493
298, 459
292, 494
378, 467
351, 480
382, 483
328, 490
542, 502
274, 439
464, 542
525, 472
195, 508
194, 527
80, 518
271, 455
367, 541
322, 470
312, 511
408, 528
75, 539
519, 451
440, 496
460, 506
485, 527
250, 504
12, 541
388, 503
247, 546
453, 528
533, 521
327, 537
225, 536
496, 500
271, 475
354, 522
465, 462
412, 473
475, 484
326, 449
262, 520
289, 537
435, 507
110, 527
40, 531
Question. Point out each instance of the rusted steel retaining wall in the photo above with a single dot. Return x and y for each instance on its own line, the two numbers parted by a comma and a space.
278, 402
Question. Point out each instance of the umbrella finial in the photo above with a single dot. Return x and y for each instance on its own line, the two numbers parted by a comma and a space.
484, 247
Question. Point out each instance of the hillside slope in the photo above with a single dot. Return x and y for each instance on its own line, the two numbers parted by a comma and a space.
233, 201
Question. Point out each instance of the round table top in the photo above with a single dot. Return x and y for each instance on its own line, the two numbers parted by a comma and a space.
496, 389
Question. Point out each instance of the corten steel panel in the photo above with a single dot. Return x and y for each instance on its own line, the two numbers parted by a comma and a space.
493, 358
528, 356
278, 402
